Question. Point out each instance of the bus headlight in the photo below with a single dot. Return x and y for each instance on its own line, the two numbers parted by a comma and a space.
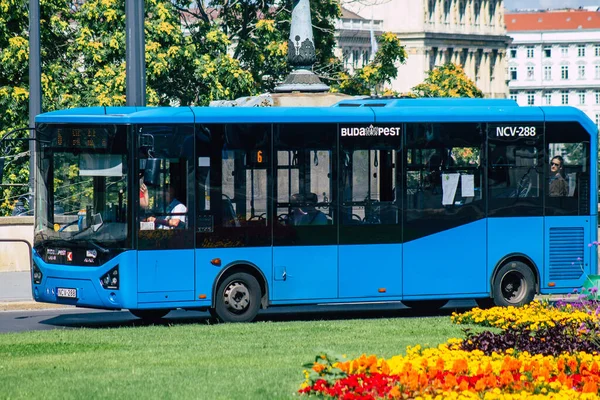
37, 274
111, 279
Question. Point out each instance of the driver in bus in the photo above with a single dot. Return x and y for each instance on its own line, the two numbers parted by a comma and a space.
558, 184
306, 212
175, 213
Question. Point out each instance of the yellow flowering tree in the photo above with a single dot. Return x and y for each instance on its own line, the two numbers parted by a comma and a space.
381, 70
448, 80
14, 86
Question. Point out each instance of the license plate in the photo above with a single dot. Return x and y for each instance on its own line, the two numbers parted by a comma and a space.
68, 293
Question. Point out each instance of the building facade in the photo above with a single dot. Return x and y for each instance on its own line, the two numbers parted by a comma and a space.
555, 59
467, 32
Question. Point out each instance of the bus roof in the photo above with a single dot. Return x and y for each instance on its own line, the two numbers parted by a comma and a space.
426, 102
420, 110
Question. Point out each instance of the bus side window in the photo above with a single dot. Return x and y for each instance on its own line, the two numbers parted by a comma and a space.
443, 177
567, 169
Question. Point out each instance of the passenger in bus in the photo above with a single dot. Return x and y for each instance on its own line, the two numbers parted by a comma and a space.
306, 213
175, 213
143, 193
558, 184
438, 162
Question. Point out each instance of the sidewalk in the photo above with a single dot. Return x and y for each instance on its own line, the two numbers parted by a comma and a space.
15, 293
15, 286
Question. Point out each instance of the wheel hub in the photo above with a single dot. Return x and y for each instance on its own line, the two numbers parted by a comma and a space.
513, 287
237, 296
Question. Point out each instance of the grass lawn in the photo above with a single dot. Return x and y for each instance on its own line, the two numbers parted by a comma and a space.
261, 360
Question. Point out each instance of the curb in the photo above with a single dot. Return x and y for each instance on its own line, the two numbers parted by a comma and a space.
30, 305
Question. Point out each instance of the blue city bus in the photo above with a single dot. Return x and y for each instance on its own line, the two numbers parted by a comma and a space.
231, 210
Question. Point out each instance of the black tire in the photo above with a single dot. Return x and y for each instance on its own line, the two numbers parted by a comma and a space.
485, 302
150, 315
514, 285
425, 305
238, 298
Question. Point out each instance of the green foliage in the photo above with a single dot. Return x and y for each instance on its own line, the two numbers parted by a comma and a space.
448, 80
381, 70
196, 52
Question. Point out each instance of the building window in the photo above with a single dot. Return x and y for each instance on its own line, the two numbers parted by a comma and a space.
447, 12
355, 57
597, 119
581, 50
564, 51
513, 97
530, 72
581, 96
346, 58
547, 98
597, 50
564, 97
513, 53
431, 10
513, 73
547, 72
529, 51
564, 72
477, 11
530, 99
597, 95
366, 56
461, 11
547, 51
581, 71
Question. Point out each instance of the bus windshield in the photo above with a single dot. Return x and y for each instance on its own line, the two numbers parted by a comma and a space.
81, 193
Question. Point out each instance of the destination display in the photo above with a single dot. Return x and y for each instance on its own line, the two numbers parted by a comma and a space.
85, 138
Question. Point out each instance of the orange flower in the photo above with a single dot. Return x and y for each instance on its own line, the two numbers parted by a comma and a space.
318, 367
395, 393
572, 363
506, 378
460, 366
590, 387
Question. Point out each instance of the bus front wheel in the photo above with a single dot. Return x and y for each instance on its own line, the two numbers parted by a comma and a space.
514, 285
238, 298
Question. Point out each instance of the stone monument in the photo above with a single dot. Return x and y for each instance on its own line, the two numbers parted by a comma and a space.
301, 88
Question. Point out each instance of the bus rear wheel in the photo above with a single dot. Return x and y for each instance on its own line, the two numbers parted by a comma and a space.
514, 285
425, 305
238, 298
150, 315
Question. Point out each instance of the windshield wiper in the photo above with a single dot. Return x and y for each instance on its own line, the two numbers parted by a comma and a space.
98, 247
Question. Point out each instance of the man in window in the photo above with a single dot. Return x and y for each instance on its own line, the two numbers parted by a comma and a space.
558, 184
175, 213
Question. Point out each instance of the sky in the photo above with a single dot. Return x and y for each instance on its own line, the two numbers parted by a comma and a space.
544, 4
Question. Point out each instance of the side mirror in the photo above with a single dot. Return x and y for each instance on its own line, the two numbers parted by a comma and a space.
152, 172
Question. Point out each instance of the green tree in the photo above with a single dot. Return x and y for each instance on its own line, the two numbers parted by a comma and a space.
194, 54
381, 70
448, 80
14, 81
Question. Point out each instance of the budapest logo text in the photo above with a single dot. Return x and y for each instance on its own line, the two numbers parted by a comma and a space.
371, 131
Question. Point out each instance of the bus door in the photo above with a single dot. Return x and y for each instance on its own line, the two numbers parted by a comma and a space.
444, 250
305, 251
515, 192
370, 219
567, 221
165, 229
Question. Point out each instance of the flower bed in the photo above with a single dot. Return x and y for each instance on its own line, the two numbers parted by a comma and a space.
543, 351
